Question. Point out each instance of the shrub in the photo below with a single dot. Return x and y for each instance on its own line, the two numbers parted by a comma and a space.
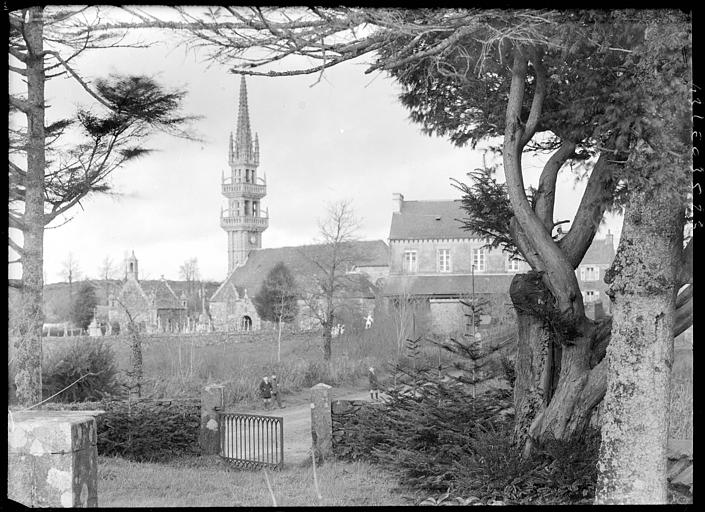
85, 367
145, 430
434, 437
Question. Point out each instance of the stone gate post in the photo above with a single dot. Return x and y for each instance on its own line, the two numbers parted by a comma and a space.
211, 402
52, 458
321, 421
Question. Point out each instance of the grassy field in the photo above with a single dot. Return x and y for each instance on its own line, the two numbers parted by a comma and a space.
180, 366
210, 482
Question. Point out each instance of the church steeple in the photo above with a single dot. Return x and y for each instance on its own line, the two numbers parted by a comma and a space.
244, 150
243, 220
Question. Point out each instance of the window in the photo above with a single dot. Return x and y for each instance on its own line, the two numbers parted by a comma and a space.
591, 296
478, 259
411, 264
589, 273
513, 265
444, 260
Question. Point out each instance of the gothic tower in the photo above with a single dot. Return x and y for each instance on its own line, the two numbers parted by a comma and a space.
243, 220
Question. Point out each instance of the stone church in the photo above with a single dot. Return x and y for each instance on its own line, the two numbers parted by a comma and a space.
152, 305
244, 220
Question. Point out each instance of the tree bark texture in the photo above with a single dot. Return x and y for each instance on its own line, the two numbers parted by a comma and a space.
632, 464
28, 345
534, 369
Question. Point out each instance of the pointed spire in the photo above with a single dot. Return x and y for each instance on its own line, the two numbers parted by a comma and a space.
230, 149
256, 149
243, 135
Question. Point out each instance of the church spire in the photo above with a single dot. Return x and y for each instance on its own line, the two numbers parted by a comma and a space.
243, 135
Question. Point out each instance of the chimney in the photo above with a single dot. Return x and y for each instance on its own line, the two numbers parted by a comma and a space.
609, 239
397, 202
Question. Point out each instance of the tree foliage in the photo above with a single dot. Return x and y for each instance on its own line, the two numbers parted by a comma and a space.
83, 307
55, 163
277, 299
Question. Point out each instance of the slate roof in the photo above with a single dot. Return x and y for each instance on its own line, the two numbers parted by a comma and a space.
600, 252
252, 273
449, 285
164, 296
423, 220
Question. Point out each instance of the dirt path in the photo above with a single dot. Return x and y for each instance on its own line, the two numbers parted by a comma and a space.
297, 421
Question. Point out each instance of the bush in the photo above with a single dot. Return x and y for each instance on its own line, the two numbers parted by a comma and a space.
435, 438
85, 369
145, 430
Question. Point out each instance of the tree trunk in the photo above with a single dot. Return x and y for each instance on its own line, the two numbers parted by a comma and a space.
135, 361
632, 464
28, 345
535, 371
279, 341
327, 341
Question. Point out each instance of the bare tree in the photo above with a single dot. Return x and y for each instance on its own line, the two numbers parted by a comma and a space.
106, 271
190, 273
71, 272
49, 176
325, 291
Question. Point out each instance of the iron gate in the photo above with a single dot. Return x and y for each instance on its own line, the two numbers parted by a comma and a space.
251, 441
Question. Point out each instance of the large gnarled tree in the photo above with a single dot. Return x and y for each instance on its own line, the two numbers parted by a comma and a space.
577, 84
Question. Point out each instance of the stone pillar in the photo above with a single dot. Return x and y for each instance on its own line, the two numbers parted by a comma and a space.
321, 421
211, 402
52, 458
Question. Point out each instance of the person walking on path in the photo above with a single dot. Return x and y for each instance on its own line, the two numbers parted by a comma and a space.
275, 392
265, 389
374, 385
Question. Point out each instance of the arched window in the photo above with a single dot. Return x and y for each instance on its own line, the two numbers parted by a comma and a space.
246, 323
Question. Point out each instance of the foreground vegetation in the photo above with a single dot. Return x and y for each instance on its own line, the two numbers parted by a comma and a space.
210, 482
180, 366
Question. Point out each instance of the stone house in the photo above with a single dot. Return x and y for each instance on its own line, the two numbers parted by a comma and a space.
153, 304
231, 305
439, 264
591, 276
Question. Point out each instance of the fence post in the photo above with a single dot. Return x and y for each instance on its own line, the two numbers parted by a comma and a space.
211, 402
321, 421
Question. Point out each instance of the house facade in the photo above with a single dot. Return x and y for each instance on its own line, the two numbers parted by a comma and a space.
591, 276
439, 264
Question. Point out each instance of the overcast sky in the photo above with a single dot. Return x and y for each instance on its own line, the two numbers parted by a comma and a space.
347, 137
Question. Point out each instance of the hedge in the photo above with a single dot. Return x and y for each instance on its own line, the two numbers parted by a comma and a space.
144, 430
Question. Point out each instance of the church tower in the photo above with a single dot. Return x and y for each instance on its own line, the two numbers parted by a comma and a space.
243, 220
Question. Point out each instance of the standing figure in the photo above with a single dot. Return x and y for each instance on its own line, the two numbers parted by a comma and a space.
265, 389
374, 386
275, 392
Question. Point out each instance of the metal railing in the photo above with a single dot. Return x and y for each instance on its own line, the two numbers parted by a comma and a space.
252, 441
